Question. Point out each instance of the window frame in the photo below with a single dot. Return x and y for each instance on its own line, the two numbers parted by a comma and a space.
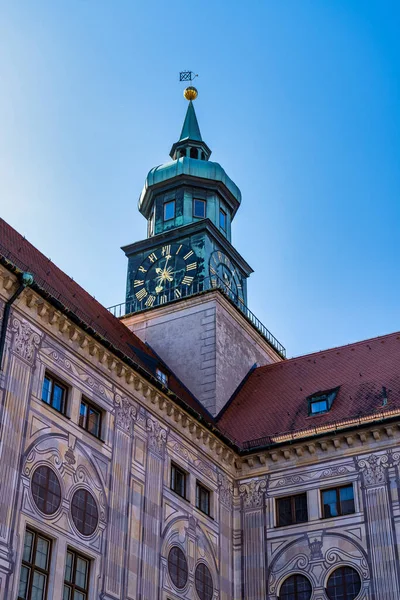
55, 381
32, 566
223, 212
342, 568
338, 501
202, 488
295, 577
71, 584
163, 376
173, 202
292, 499
97, 409
204, 203
327, 396
47, 491
176, 468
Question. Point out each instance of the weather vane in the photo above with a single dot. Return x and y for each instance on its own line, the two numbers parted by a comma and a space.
190, 92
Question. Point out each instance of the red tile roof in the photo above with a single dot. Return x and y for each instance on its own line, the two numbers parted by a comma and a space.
61, 288
273, 400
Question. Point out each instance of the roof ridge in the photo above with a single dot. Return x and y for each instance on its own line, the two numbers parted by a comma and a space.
329, 350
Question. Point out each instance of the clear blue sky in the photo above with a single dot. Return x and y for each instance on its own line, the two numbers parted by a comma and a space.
299, 101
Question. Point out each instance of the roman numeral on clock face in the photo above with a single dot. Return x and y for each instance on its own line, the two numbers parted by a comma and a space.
177, 293
188, 255
187, 280
166, 250
138, 282
152, 257
191, 266
141, 294
142, 270
150, 301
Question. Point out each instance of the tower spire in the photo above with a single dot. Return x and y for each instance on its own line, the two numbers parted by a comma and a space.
190, 143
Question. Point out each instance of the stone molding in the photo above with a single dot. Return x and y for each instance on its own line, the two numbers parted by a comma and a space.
157, 437
125, 414
252, 493
25, 340
373, 469
225, 487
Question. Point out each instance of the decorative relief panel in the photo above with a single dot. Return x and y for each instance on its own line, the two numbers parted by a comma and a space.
157, 437
225, 488
373, 469
26, 340
125, 414
191, 457
312, 475
252, 493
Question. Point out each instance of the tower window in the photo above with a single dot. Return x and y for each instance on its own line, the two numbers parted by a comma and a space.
194, 153
151, 224
199, 208
169, 210
182, 153
222, 219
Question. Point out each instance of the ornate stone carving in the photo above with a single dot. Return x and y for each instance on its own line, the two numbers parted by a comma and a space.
125, 414
225, 490
69, 457
252, 493
373, 469
26, 340
315, 549
157, 437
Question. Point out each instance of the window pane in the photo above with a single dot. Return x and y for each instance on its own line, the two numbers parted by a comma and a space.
222, 219
68, 566
79, 595
301, 513
199, 208
42, 550
28, 542
81, 572
330, 504
169, 210
46, 390
58, 398
94, 422
347, 500
83, 414
23, 582
38, 586
67, 593
319, 406
284, 512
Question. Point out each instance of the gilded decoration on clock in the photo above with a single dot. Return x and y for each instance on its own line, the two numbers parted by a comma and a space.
223, 273
165, 274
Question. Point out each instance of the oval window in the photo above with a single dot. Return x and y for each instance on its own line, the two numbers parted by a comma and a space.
343, 584
46, 490
84, 512
177, 567
203, 582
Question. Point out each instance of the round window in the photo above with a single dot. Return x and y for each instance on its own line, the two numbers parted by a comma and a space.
177, 567
295, 587
343, 584
84, 512
46, 490
204, 583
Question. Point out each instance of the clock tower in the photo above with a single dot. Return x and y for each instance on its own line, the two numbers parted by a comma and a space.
187, 274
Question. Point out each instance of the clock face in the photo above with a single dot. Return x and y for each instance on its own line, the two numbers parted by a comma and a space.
165, 274
224, 273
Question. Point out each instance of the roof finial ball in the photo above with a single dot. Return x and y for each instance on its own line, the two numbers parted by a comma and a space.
190, 93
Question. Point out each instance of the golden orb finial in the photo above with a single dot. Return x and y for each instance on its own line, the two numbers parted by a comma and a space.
190, 93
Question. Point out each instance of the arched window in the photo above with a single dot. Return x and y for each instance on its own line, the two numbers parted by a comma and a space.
343, 584
194, 153
46, 490
177, 567
84, 512
295, 587
204, 583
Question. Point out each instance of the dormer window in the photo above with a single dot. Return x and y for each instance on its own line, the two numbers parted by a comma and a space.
162, 377
321, 402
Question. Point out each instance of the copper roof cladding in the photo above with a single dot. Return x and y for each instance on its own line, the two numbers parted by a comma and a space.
273, 400
59, 287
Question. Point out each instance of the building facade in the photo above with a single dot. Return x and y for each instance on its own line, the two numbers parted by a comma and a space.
174, 452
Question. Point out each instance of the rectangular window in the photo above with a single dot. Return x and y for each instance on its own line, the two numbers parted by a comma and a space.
35, 567
169, 210
76, 579
178, 480
90, 418
199, 208
222, 219
54, 393
202, 498
292, 510
338, 501
162, 376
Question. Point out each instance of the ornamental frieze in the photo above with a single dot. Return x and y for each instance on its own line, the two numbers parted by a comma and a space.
252, 493
225, 488
25, 340
201, 465
310, 475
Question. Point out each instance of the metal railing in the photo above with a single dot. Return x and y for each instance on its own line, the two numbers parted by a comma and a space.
133, 305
